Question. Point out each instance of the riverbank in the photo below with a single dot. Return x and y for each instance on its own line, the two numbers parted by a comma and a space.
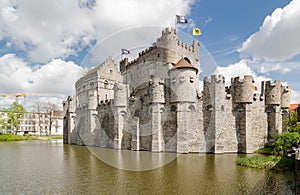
6, 137
268, 162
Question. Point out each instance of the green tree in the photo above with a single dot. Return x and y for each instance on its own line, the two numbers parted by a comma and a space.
292, 123
14, 114
284, 141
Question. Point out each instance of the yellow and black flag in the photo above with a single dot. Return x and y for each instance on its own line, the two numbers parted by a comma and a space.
196, 32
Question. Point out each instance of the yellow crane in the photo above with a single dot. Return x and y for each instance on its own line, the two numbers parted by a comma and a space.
24, 95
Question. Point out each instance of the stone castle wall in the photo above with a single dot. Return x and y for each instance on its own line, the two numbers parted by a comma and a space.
153, 103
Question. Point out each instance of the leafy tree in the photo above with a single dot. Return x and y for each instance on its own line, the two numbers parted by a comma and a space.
292, 123
14, 115
284, 141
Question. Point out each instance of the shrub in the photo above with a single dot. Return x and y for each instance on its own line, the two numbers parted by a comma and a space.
284, 141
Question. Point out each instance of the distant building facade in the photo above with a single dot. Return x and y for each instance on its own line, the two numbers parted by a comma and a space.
38, 124
154, 103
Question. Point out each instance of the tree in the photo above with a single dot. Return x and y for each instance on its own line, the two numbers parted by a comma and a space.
292, 123
14, 114
284, 141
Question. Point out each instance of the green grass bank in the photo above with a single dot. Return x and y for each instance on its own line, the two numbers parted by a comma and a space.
6, 137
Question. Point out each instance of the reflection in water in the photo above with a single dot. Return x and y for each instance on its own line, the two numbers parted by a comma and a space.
133, 160
49, 167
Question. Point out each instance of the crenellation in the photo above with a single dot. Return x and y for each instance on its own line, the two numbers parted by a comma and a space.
242, 89
273, 93
285, 97
154, 103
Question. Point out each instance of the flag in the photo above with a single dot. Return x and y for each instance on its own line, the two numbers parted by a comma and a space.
254, 87
125, 51
196, 31
181, 19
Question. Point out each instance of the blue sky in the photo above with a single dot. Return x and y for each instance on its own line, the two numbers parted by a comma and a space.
44, 44
227, 24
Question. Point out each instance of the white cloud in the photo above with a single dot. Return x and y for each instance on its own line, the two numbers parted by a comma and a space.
240, 69
278, 37
208, 20
58, 29
295, 97
56, 77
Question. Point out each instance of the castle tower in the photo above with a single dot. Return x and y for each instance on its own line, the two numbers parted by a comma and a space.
243, 99
183, 77
157, 99
69, 108
285, 105
120, 107
214, 112
273, 100
173, 49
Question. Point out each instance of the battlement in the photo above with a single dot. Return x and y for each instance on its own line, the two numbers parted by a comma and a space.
273, 92
157, 90
285, 96
214, 79
247, 80
242, 89
165, 48
169, 31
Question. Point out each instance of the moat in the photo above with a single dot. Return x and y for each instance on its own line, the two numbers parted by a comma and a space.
50, 167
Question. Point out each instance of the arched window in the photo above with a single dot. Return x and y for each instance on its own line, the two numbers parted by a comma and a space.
105, 84
188, 60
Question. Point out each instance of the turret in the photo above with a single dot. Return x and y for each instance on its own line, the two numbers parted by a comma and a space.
242, 89
285, 97
120, 94
92, 99
273, 93
123, 64
182, 78
157, 93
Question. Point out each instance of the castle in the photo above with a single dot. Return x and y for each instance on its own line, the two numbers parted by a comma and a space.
153, 103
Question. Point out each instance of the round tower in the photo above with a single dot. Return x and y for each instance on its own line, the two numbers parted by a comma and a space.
157, 93
273, 93
242, 89
285, 96
182, 82
92, 99
120, 94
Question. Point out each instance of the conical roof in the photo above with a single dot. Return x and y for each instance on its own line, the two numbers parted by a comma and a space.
183, 63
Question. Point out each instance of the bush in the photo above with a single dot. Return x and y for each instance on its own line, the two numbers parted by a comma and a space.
284, 141
292, 123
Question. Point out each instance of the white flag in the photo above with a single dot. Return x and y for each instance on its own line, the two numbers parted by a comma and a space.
125, 51
181, 19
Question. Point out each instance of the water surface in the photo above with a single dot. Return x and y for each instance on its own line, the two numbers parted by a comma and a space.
50, 167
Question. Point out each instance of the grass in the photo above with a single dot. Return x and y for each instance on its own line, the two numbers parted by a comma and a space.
50, 137
269, 162
5, 137
266, 150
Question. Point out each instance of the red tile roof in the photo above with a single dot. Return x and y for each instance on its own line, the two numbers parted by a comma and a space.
182, 63
293, 107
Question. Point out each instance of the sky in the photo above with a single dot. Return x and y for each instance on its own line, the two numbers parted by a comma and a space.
45, 46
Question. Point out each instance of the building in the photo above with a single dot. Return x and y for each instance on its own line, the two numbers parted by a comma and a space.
154, 103
38, 124
295, 108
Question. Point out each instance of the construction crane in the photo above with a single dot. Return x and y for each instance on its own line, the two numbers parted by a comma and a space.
17, 95
24, 95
